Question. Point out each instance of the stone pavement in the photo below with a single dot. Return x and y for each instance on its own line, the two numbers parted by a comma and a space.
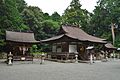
60, 71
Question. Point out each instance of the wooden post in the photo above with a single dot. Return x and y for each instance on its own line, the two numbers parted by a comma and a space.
91, 58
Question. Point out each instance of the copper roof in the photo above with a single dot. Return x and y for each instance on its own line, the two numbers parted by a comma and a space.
110, 46
78, 34
20, 37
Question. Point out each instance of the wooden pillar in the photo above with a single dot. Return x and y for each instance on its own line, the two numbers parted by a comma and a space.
56, 47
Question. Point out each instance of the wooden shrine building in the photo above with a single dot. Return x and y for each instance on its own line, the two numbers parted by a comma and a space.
109, 48
71, 40
19, 44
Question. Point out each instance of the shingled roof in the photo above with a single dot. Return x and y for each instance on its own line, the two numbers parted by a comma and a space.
24, 37
75, 33
110, 46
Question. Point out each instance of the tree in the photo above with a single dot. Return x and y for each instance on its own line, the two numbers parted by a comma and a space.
56, 17
10, 18
46, 16
21, 5
99, 23
74, 15
49, 29
33, 17
107, 12
40, 23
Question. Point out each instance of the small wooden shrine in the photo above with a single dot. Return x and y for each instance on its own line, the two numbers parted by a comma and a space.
19, 44
109, 48
71, 40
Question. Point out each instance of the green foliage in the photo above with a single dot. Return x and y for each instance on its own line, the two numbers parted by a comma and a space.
46, 16
33, 17
38, 53
74, 15
42, 24
117, 40
10, 19
50, 28
16, 15
21, 5
33, 49
56, 17
107, 12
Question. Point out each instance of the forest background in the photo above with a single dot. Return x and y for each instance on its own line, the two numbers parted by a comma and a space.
16, 15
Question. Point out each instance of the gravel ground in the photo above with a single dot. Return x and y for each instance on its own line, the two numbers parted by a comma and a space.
60, 71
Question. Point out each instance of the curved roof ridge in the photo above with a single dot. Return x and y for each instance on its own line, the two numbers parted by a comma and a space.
53, 38
77, 32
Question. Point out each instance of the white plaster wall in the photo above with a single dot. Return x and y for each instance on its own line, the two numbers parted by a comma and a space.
72, 48
54, 48
59, 50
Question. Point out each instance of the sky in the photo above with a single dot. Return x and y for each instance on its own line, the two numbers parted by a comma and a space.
50, 6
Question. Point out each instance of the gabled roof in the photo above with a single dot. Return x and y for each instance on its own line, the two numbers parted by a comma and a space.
20, 37
76, 33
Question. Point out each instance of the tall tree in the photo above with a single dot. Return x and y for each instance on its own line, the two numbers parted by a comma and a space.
56, 17
21, 5
75, 15
42, 24
49, 29
33, 17
10, 18
46, 16
107, 13
100, 23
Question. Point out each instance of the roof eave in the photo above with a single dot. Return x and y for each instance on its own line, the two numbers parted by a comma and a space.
32, 42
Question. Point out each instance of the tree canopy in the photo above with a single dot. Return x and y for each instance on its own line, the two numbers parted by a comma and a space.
17, 15
10, 18
75, 15
106, 13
